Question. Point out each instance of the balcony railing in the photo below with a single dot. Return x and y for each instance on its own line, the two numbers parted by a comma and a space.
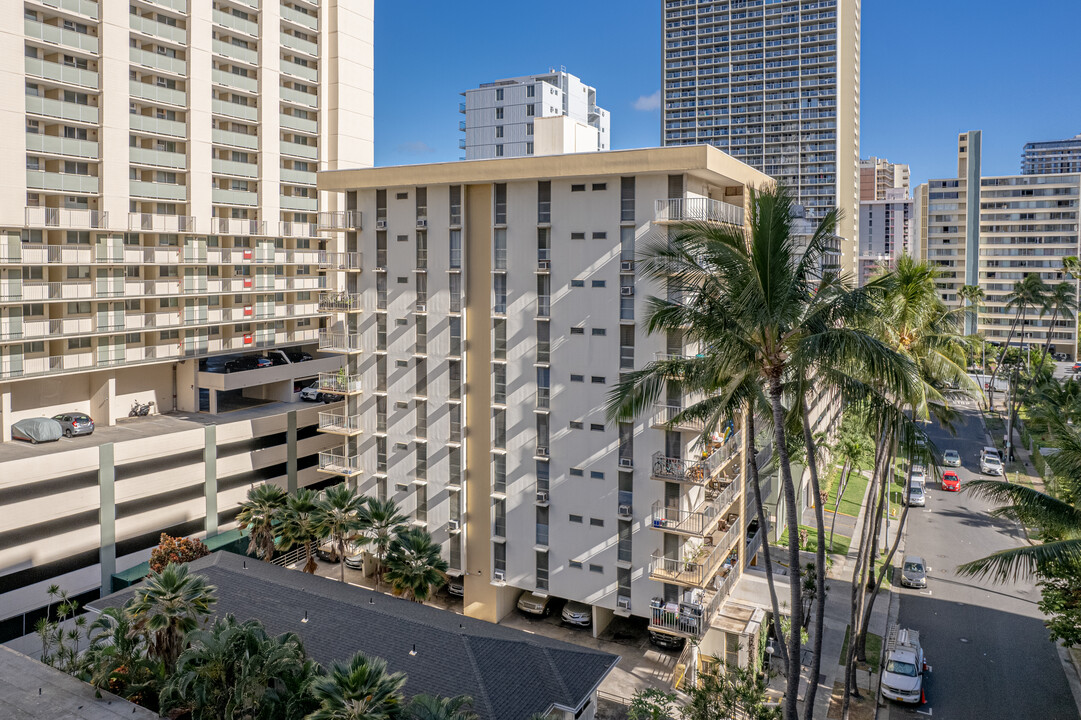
340, 220
668, 416
340, 302
697, 210
339, 463
702, 519
695, 571
238, 226
151, 222
341, 260
340, 423
64, 218
696, 472
340, 342
690, 618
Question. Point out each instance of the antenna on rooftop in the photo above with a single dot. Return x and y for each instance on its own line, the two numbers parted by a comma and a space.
305, 618
414, 650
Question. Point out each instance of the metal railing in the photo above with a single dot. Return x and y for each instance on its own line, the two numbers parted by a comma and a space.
340, 220
697, 209
340, 302
64, 218
340, 464
668, 416
340, 423
152, 222
341, 260
691, 522
688, 571
340, 342
697, 472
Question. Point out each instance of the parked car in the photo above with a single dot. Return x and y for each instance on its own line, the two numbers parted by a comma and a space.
951, 458
1076, 366
355, 561
278, 357
666, 641
576, 613
914, 572
216, 364
456, 587
902, 676
916, 495
950, 481
327, 553
535, 604
247, 362
918, 477
75, 423
312, 393
990, 462
297, 356
37, 430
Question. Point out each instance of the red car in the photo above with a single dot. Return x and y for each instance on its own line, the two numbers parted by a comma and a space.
950, 481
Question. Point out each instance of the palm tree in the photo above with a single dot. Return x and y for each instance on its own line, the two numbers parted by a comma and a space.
430, 707
169, 605
259, 515
117, 659
1061, 300
972, 296
380, 521
765, 315
302, 524
1028, 292
359, 690
414, 564
340, 510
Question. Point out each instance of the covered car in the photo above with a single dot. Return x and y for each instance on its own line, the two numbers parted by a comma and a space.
37, 430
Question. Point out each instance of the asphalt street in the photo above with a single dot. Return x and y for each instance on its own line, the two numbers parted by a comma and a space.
988, 649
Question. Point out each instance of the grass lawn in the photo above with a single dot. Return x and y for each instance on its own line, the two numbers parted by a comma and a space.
840, 542
874, 650
853, 497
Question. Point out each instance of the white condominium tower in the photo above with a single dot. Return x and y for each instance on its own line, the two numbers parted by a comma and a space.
543, 114
776, 85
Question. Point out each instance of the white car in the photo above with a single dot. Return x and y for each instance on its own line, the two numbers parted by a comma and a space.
991, 465
951, 458
916, 495
918, 477
312, 393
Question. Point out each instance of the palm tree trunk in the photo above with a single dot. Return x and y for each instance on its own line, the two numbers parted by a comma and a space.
867, 562
994, 373
1050, 329
820, 570
868, 579
795, 604
341, 557
763, 528
845, 470
885, 566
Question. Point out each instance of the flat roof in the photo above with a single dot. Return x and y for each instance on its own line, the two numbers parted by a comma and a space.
32, 690
702, 161
510, 674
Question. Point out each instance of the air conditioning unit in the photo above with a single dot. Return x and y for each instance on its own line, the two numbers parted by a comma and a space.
542, 496
626, 462
623, 602
544, 264
422, 223
625, 511
542, 451
381, 224
626, 290
499, 575
422, 307
454, 525
626, 266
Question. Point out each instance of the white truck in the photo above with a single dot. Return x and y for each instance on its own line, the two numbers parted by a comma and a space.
903, 666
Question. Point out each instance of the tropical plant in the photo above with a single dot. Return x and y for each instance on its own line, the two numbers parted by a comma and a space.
60, 643
652, 704
1061, 300
259, 515
302, 524
340, 511
235, 671
1060, 601
358, 690
117, 659
1029, 292
972, 296
765, 315
380, 520
414, 565
431, 707
730, 692
167, 606
176, 550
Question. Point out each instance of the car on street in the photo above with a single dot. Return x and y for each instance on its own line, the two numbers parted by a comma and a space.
950, 481
990, 461
1076, 366
534, 604
914, 572
75, 423
666, 641
902, 676
918, 476
951, 458
576, 613
916, 495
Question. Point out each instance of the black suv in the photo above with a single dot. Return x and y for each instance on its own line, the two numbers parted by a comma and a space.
248, 362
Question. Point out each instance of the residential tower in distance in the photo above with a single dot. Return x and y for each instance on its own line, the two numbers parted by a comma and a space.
885, 215
545, 114
1052, 157
878, 176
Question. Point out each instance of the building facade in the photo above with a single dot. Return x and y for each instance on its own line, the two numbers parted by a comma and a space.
885, 232
1052, 157
505, 301
1017, 226
515, 117
163, 211
775, 85
878, 176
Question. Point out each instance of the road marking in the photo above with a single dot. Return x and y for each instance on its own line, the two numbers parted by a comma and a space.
928, 712
925, 593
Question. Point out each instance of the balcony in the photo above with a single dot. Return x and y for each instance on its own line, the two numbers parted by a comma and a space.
334, 463
667, 417
55, 145
235, 52
691, 617
695, 472
150, 222
157, 94
150, 26
57, 35
61, 182
338, 342
339, 383
340, 423
697, 210
61, 73
700, 521
158, 61
37, 105
236, 23
700, 565
340, 220
161, 126
294, 43
238, 226
340, 302
158, 191
295, 16
63, 218
297, 97
296, 229
157, 158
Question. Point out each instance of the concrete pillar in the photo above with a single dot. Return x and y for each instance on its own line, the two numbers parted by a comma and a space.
103, 398
107, 515
212, 408
601, 618
5, 412
291, 450
187, 389
210, 482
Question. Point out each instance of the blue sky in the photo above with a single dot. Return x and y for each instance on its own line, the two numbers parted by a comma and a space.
930, 69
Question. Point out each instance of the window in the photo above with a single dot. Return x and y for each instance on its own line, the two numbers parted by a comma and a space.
596, 427
578, 188
499, 131
499, 94
499, 113
578, 378
529, 148
575, 564
78, 343
529, 128
530, 110
576, 472
600, 235
578, 236
401, 196
578, 283
531, 91
596, 474
597, 283
576, 425
599, 331
600, 186
499, 150
596, 522
576, 518
598, 379
596, 569
401, 363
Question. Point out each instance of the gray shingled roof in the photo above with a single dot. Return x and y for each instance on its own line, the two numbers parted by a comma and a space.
509, 674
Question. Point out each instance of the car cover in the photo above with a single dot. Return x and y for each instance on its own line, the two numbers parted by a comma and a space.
40, 429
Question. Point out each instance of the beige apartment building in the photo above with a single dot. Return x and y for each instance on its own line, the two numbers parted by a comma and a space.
160, 208
503, 299
878, 176
1019, 225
